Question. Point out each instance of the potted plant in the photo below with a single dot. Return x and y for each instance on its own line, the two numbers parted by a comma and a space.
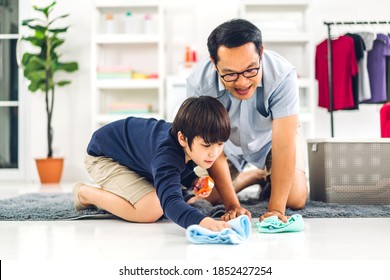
40, 69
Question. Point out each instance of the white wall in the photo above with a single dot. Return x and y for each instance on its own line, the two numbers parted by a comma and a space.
193, 20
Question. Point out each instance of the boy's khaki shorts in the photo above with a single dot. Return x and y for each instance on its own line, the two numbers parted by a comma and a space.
118, 179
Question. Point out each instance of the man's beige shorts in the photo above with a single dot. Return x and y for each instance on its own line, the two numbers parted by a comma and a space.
299, 163
234, 172
118, 179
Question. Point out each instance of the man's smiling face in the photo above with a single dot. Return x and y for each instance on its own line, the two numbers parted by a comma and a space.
238, 60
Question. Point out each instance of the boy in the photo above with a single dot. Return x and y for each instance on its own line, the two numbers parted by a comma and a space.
141, 165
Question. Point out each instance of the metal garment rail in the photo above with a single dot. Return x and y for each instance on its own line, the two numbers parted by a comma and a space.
330, 64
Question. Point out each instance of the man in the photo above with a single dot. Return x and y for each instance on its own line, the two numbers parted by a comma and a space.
260, 91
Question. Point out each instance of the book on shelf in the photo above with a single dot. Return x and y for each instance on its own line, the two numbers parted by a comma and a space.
129, 108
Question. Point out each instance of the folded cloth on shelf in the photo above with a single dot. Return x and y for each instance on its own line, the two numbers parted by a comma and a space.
240, 230
274, 225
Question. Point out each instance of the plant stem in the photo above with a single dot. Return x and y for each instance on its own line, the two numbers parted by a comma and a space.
49, 107
49, 110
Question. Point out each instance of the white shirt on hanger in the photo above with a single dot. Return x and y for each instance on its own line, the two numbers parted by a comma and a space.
364, 82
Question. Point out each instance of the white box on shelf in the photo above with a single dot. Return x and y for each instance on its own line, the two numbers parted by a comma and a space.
176, 94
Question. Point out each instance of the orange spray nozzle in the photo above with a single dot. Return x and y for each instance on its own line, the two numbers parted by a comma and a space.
207, 185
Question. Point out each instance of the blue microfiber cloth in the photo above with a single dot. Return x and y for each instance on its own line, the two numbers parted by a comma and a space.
274, 225
240, 231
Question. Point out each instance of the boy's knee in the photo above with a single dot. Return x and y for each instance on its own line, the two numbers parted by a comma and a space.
149, 217
153, 216
149, 214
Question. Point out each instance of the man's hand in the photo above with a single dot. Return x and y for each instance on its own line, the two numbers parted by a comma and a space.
234, 212
213, 225
277, 213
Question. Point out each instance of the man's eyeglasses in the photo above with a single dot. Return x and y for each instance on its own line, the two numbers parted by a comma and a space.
249, 73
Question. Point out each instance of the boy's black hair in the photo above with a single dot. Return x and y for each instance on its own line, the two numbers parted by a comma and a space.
202, 116
233, 33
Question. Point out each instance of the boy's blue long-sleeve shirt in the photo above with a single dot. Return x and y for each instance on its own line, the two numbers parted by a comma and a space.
147, 147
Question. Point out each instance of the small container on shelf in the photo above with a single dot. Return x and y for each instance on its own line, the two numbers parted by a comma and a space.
129, 23
139, 75
190, 59
190, 56
109, 23
148, 24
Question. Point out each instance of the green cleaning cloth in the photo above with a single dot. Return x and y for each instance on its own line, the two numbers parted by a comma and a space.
274, 225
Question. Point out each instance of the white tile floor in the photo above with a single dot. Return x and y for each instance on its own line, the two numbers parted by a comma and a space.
322, 239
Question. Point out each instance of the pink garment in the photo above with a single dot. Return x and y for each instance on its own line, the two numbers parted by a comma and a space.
344, 68
385, 120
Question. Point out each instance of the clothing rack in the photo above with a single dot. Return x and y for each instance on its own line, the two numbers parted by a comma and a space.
330, 66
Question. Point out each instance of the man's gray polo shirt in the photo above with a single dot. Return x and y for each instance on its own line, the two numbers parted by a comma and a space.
277, 96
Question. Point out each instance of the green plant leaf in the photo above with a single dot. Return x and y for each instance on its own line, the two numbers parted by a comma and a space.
36, 41
56, 42
44, 10
34, 86
26, 58
33, 66
40, 35
36, 75
68, 66
38, 27
63, 83
59, 30
42, 87
27, 21
57, 18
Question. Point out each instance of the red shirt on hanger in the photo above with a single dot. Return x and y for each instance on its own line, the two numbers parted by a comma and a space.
344, 68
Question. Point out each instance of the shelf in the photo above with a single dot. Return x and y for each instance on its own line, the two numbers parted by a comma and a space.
288, 38
127, 39
125, 4
283, 3
128, 84
107, 118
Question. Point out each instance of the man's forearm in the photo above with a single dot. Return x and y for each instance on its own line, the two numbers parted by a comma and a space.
282, 176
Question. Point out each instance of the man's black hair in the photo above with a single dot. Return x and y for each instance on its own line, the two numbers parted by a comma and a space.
233, 33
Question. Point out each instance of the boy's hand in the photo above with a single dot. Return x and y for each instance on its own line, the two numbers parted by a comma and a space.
202, 187
279, 214
213, 225
234, 212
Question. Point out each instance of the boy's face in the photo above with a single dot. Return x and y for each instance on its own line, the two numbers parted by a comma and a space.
204, 155
238, 60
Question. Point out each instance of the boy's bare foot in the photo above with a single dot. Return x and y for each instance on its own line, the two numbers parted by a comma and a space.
78, 205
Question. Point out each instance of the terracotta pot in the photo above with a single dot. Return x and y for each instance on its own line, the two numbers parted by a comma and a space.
50, 169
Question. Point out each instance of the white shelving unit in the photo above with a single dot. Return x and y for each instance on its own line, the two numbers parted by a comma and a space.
285, 28
176, 94
127, 60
